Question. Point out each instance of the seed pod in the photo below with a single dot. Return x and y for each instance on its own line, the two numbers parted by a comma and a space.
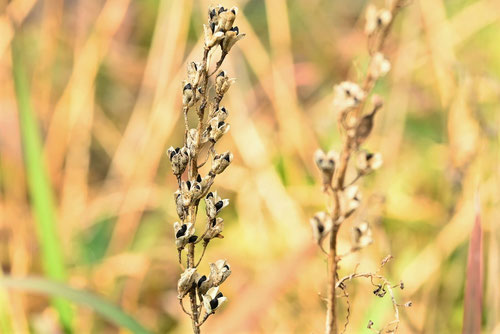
186, 282
186, 193
187, 95
179, 204
361, 236
230, 38
376, 19
184, 234
213, 299
367, 162
346, 96
350, 200
221, 162
219, 272
222, 83
321, 224
220, 113
379, 66
194, 70
214, 230
326, 164
179, 158
203, 284
214, 204
212, 37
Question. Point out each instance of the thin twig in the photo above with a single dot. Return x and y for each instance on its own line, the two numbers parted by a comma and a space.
185, 311
202, 253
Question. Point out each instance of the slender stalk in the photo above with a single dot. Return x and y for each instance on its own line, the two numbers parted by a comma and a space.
219, 32
331, 323
334, 192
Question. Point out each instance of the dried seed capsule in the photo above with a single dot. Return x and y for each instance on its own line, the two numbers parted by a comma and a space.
220, 114
214, 230
213, 299
379, 66
326, 164
376, 19
222, 83
230, 38
367, 162
347, 95
321, 224
214, 204
179, 204
187, 95
221, 162
350, 200
202, 284
184, 234
361, 235
219, 272
186, 193
186, 282
226, 18
194, 70
179, 158
212, 36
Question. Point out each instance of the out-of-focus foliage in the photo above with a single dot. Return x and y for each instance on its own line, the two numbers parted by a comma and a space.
105, 86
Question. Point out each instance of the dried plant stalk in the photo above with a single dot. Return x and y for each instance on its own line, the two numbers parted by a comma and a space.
344, 197
203, 290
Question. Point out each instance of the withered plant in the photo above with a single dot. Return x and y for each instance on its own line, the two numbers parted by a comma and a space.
355, 121
202, 94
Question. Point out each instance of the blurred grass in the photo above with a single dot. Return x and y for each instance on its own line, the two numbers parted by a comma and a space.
105, 87
39, 185
99, 305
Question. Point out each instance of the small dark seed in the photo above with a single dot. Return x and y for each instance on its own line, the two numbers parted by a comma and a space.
219, 205
201, 280
214, 303
321, 229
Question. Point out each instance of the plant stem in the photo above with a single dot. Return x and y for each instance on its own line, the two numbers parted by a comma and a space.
192, 293
331, 322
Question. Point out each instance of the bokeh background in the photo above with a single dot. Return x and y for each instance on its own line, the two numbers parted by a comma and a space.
103, 79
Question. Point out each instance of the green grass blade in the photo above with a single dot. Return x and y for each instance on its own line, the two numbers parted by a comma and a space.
98, 304
39, 186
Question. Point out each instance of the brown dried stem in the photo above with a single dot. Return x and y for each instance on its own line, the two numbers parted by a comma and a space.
348, 148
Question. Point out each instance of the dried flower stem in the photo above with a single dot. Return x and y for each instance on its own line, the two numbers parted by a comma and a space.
203, 291
350, 108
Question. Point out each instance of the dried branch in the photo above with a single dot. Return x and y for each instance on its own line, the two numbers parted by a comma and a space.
211, 125
349, 104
